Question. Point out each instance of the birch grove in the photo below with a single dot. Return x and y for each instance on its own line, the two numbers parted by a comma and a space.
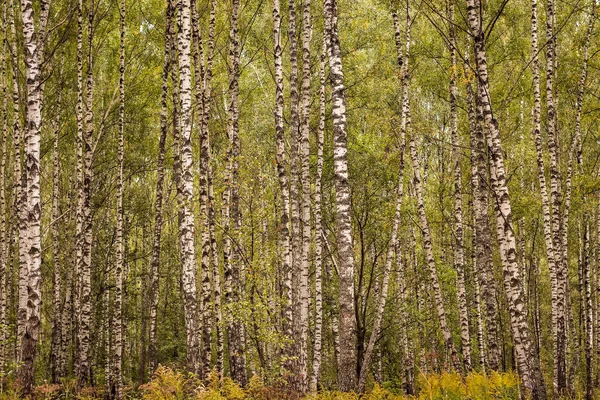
295, 199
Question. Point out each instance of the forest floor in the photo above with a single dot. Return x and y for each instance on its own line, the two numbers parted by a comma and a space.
169, 384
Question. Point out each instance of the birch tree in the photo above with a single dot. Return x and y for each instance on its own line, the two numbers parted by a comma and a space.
526, 358
347, 324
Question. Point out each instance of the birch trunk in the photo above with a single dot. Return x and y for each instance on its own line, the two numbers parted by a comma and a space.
234, 291
347, 363
482, 245
210, 217
78, 240
285, 255
187, 224
417, 182
526, 357
459, 251
117, 390
202, 102
158, 202
551, 254
5, 226
85, 306
20, 181
558, 324
588, 332
294, 356
55, 345
304, 149
318, 339
574, 153
34, 208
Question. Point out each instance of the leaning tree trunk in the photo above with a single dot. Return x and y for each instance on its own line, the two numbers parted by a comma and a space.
187, 240
34, 207
347, 363
526, 358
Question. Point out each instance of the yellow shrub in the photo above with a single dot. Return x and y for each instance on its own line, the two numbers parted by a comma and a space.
166, 384
220, 389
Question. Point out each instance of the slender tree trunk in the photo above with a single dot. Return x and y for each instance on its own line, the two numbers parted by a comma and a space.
158, 203
381, 301
477, 230
550, 249
318, 339
482, 245
117, 391
85, 323
20, 141
187, 224
526, 357
294, 363
4, 223
574, 153
80, 194
588, 312
285, 255
211, 198
347, 363
234, 288
202, 102
55, 345
459, 251
304, 149
417, 182
558, 323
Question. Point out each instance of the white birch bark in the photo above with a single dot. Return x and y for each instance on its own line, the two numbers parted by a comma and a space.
285, 255
158, 202
304, 152
526, 357
34, 208
347, 322
118, 302
187, 224
318, 339
459, 251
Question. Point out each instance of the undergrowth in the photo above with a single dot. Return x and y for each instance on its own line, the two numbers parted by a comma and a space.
170, 384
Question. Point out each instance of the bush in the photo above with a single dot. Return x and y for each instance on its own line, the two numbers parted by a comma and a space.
168, 384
